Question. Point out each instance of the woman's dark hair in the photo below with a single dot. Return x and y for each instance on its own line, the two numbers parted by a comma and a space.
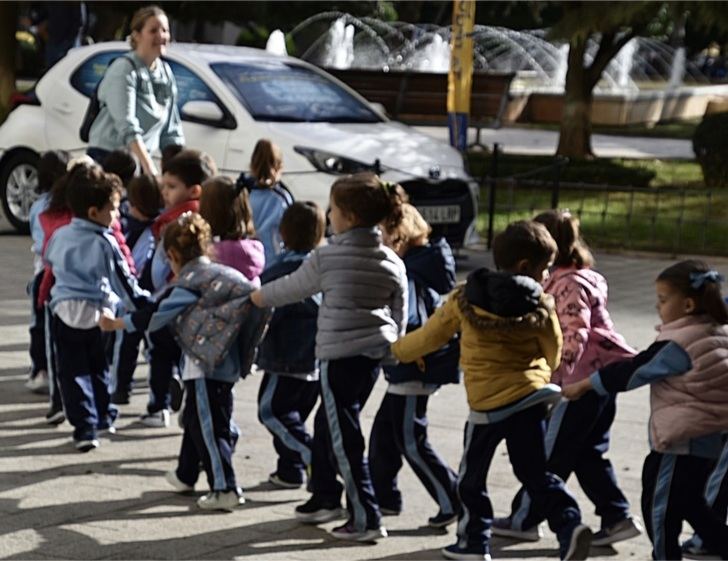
564, 228
189, 236
121, 162
302, 226
227, 209
51, 167
369, 200
696, 280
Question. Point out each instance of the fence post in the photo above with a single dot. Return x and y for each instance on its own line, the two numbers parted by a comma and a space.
491, 194
557, 185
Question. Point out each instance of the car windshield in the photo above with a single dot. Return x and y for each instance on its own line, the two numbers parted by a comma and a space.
277, 91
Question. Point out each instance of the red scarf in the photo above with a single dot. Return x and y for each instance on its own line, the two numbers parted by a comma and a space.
172, 214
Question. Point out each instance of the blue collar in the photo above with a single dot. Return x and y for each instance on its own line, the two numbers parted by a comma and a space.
86, 224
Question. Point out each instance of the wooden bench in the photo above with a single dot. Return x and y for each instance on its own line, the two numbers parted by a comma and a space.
420, 98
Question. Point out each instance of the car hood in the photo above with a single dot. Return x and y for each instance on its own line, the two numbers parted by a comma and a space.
394, 144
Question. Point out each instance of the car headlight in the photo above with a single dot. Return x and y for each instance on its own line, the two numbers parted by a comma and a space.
328, 162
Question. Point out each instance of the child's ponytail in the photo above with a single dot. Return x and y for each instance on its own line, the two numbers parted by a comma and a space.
695, 279
564, 228
369, 200
226, 207
189, 236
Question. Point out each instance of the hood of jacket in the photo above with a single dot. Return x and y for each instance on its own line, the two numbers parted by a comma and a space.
432, 265
498, 300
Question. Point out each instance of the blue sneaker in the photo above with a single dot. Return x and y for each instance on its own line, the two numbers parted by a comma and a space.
693, 548
454, 551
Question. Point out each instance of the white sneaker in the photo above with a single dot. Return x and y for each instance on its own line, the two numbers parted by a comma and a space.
158, 419
38, 383
219, 500
179, 485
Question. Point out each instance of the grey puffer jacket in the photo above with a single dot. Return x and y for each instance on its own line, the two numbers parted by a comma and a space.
364, 286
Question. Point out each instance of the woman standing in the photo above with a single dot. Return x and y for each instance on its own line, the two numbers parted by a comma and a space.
138, 96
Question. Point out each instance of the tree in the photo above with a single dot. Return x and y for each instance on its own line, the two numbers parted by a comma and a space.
611, 25
8, 21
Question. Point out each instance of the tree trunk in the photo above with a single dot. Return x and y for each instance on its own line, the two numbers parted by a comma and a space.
8, 24
575, 131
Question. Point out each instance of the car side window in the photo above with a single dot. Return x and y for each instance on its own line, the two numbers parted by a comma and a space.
190, 87
89, 74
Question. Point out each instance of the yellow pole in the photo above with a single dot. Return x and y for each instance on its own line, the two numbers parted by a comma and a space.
460, 77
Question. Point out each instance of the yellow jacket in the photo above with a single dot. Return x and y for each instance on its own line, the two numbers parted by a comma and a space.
503, 358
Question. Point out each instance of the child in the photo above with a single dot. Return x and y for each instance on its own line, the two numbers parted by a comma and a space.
144, 202
91, 275
52, 166
204, 295
182, 182
578, 431
364, 308
400, 426
289, 389
56, 215
226, 208
123, 163
510, 344
268, 197
687, 370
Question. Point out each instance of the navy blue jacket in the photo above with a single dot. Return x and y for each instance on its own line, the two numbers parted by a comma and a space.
289, 345
430, 274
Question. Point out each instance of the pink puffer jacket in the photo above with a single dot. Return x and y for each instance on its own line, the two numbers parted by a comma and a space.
696, 403
590, 340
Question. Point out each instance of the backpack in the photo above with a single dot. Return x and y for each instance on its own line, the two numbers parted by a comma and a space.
94, 105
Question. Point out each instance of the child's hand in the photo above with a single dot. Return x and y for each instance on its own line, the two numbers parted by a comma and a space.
110, 323
573, 392
256, 297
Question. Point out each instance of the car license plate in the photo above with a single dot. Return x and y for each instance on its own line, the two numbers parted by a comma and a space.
446, 214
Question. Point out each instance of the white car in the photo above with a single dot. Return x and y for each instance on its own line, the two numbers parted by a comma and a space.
229, 97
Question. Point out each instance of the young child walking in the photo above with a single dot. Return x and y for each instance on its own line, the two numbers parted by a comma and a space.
364, 309
143, 204
51, 168
578, 431
400, 426
289, 389
182, 182
203, 296
510, 344
91, 278
226, 208
268, 197
687, 370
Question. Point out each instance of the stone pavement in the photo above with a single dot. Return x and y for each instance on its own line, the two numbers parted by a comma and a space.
518, 140
114, 503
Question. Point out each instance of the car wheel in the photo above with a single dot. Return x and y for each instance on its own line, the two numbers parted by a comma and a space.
19, 188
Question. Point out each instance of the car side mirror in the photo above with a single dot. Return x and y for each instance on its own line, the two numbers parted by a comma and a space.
203, 111
379, 108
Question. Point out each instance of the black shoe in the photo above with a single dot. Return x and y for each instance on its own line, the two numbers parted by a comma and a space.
316, 511
176, 392
442, 519
120, 397
55, 416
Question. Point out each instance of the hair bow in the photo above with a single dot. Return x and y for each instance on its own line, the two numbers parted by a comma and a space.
697, 280
388, 186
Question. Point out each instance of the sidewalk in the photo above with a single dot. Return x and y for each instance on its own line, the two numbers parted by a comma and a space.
114, 503
514, 140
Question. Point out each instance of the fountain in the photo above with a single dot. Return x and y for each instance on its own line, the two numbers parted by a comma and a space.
639, 85
276, 43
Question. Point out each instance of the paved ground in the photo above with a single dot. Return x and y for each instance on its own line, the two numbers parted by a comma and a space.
114, 503
514, 140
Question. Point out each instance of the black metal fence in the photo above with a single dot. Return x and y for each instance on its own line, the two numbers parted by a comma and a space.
674, 220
